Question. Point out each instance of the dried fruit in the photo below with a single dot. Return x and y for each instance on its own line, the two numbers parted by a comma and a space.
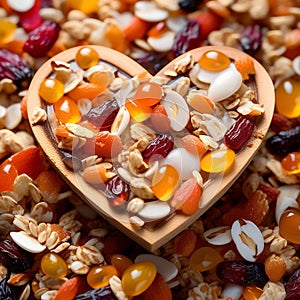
251, 39
14, 67
185, 242
104, 144
13, 257
117, 191
187, 197
41, 39
159, 147
8, 174
189, 5
103, 115
72, 287
187, 39
157, 290
242, 273
239, 133
31, 18
159, 119
275, 267
104, 293
245, 65
194, 145
292, 287
6, 292
205, 259
153, 61
284, 142
29, 161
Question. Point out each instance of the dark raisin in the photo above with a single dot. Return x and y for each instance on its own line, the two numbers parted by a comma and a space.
187, 39
14, 258
41, 39
239, 133
6, 292
189, 5
153, 61
284, 142
251, 39
14, 67
292, 287
242, 273
117, 191
104, 293
159, 147
104, 114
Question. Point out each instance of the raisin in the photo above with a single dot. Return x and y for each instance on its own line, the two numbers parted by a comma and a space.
104, 293
117, 191
14, 258
251, 39
187, 39
239, 133
14, 67
189, 5
104, 114
41, 39
292, 287
285, 142
6, 292
280, 123
242, 273
153, 61
159, 147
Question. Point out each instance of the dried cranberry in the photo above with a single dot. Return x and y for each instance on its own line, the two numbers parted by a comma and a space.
117, 191
239, 133
284, 142
6, 292
14, 258
159, 147
104, 293
41, 39
189, 5
14, 67
31, 19
242, 273
292, 287
103, 115
187, 39
153, 61
251, 39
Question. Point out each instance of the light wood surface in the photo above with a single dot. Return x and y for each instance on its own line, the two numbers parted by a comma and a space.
149, 239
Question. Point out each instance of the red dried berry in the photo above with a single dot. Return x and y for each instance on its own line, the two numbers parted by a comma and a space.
117, 191
159, 147
41, 39
251, 39
292, 287
239, 133
242, 273
280, 122
14, 258
104, 114
187, 39
31, 19
14, 67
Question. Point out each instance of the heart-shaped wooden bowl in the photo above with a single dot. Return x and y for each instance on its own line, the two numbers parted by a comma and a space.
149, 239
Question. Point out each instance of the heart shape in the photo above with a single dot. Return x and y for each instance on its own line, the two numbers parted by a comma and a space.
215, 188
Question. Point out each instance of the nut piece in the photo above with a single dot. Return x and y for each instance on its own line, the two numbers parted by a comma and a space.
135, 205
39, 116
248, 239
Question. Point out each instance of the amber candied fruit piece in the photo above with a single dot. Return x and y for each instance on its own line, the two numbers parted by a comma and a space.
214, 61
51, 90
87, 57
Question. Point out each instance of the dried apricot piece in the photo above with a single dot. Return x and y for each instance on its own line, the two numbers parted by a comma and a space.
136, 29
29, 161
49, 184
194, 145
159, 119
157, 290
8, 173
185, 242
245, 65
187, 197
97, 174
275, 267
86, 91
72, 287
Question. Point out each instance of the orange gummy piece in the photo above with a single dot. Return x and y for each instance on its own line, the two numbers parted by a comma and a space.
8, 173
185, 242
86, 90
245, 65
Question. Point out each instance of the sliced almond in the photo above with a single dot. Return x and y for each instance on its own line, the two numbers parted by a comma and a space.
75, 78
155, 210
27, 242
177, 110
13, 116
163, 43
79, 130
220, 235
121, 121
148, 11
248, 239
